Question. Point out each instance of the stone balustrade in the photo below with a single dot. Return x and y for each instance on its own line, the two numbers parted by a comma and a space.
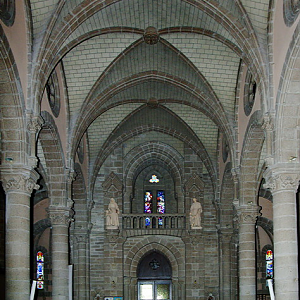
154, 221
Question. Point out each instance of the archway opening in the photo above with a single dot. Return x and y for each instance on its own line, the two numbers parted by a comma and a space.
154, 275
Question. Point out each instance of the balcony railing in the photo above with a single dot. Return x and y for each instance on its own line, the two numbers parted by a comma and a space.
154, 221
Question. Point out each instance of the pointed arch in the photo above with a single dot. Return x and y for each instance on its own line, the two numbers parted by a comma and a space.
288, 104
250, 158
12, 117
54, 160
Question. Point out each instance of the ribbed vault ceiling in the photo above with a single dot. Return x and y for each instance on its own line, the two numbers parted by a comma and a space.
190, 74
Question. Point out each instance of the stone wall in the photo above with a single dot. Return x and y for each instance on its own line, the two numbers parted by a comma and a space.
194, 254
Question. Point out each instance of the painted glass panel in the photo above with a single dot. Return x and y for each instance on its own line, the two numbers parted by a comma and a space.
154, 179
147, 221
160, 202
40, 270
160, 221
269, 264
148, 202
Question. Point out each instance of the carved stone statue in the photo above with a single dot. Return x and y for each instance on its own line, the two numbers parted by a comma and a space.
112, 215
195, 214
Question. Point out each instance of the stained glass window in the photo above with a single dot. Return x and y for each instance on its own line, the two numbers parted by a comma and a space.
154, 179
160, 202
160, 207
148, 202
147, 221
269, 255
40, 270
160, 221
269, 264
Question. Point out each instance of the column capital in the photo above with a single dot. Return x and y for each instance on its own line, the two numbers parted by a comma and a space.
235, 172
59, 215
71, 175
81, 237
247, 214
268, 123
282, 177
19, 180
34, 123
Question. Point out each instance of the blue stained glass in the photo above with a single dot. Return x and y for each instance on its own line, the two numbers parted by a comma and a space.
40, 270
269, 264
148, 202
147, 221
269, 269
160, 202
160, 221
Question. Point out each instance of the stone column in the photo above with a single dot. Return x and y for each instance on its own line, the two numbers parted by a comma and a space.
283, 184
82, 240
60, 252
181, 289
247, 263
18, 189
225, 256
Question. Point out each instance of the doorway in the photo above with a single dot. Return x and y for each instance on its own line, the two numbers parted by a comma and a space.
154, 277
155, 290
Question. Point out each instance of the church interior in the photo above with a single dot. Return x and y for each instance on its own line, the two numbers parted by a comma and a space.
150, 149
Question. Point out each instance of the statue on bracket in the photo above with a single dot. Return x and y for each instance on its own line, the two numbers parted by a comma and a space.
195, 214
112, 215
